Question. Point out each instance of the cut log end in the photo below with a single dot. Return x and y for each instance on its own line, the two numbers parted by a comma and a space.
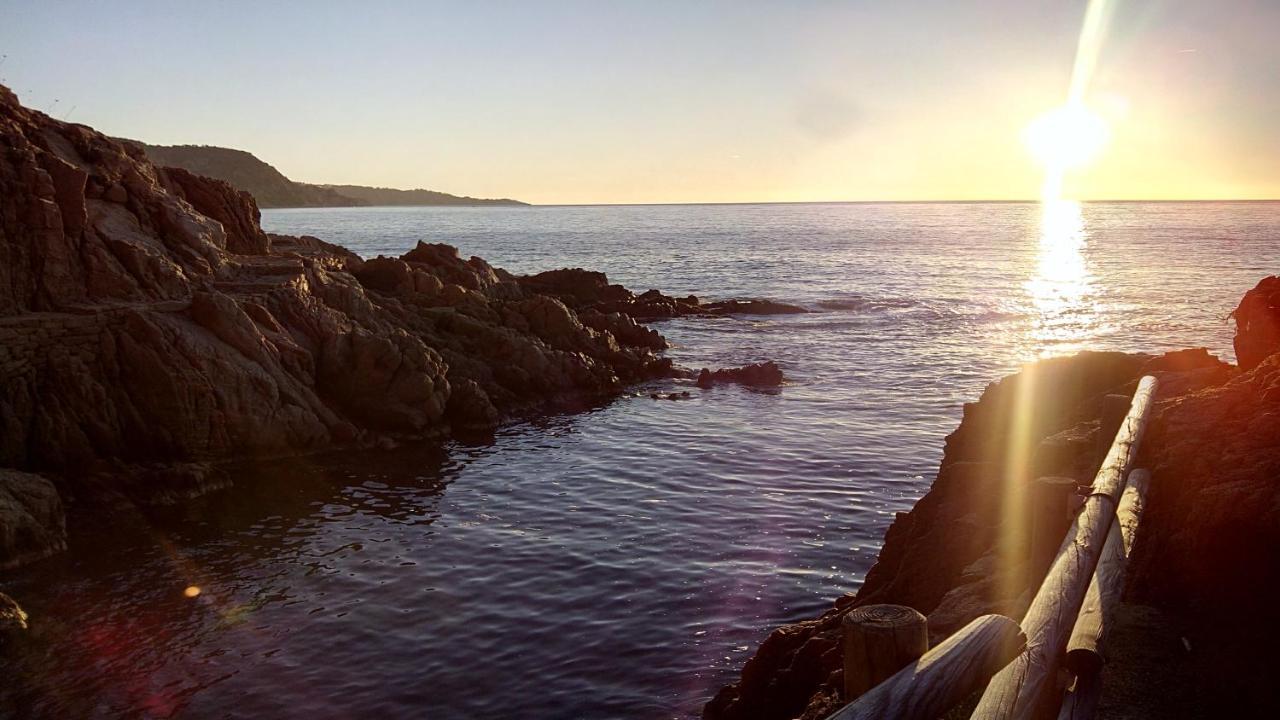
879, 640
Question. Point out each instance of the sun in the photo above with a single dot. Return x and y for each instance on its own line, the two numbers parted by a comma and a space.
1068, 137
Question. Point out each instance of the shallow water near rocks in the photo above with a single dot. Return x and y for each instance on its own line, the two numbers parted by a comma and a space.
623, 561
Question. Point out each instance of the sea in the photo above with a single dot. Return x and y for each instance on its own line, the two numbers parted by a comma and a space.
625, 561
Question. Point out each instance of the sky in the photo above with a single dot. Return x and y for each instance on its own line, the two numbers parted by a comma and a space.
640, 102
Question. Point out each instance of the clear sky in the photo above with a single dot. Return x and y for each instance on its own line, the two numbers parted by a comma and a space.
611, 101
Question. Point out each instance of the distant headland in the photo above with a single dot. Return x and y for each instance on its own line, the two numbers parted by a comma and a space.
272, 189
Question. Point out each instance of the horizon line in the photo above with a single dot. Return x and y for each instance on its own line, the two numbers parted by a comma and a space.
524, 204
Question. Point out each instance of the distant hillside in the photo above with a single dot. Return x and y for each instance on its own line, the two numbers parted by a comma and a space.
273, 190
265, 183
391, 196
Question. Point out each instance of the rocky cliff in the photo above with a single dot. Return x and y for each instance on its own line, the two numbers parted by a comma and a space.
149, 329
1205, 556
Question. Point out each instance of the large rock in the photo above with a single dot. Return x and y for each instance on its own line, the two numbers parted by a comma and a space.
32, 525
235, 209
1208, 550
1258, 323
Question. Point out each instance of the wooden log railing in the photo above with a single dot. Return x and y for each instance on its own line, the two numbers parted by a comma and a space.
1078, 593
1085, 648
1018, 690
942, 677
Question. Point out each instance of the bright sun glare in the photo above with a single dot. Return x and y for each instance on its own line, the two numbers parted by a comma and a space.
1067, 137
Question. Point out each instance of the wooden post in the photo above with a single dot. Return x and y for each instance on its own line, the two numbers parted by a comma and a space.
1016, 691
1051, 510
943, 676
878, 641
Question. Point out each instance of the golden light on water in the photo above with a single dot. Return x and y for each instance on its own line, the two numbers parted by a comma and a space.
1061, 291
191, 591
1067, 138
1062, 140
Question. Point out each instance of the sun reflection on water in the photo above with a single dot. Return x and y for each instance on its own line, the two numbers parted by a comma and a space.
1064, 309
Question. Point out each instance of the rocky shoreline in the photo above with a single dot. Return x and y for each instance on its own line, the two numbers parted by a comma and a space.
1205, 559
151, 331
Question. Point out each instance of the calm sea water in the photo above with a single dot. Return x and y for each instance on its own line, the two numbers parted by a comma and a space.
623, 562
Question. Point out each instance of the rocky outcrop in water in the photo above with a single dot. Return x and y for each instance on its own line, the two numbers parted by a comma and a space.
765, 374
585, 290
149, 328
1205, 553
1258, 323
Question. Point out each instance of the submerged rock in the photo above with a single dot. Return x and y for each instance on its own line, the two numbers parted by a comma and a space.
753, 307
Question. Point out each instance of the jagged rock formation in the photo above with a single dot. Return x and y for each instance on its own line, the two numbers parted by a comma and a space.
149, 328
1205, 554
271, 189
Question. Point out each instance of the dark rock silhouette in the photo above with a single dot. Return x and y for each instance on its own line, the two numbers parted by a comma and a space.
590, 290
765, 374
1258, 323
